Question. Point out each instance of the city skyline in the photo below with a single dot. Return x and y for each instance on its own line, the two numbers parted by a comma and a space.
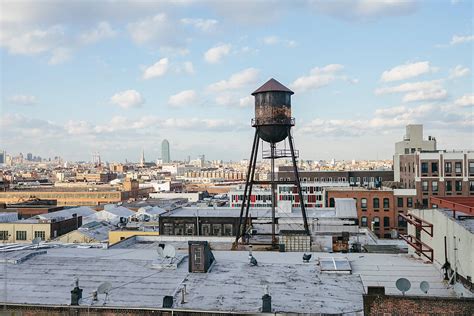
84, 77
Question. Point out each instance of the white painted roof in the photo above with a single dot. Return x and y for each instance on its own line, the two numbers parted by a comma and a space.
83, 211
232, 285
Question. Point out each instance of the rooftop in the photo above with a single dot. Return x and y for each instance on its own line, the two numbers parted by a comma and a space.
231, 285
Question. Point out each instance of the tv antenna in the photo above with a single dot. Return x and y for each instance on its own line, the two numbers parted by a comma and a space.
424, 287
403, 285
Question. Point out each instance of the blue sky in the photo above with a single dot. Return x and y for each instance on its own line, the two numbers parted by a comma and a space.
119, 76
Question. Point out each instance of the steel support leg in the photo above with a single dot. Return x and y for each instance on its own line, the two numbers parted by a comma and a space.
297, 182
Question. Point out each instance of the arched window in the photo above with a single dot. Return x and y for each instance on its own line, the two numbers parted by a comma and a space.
386, 221
376, 203
386, 203
363, 203
331, 202
363, 221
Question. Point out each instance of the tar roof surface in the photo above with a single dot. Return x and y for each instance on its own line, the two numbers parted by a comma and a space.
231, 285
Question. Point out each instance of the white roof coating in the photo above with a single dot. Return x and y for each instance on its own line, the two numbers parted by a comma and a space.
6, 217
232, 285
83, 211
346, 207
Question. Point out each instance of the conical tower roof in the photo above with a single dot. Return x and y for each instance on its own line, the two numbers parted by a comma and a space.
272, 85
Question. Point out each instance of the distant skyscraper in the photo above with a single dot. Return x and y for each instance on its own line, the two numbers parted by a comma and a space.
165, 151
142, 160
3, 156
29, 156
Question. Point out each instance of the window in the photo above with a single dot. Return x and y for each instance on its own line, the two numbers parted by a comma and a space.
458, 186
227, 229
21, 235
363, 203
179, 229
402, 222
40, 234
331, 202
376, 203
217, 230
189, 230
471, 167
425, 202
448, 167
409, 202
449, 186
363, 221
400, 202
168, 229
386, 203
471, 186
424, 186
434, 167
424, 167
386, 221
206, 229
458, 167
376, 221
434, 186
4, 235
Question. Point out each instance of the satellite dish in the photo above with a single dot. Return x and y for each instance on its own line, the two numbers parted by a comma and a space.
424, 287
169, 251
36, 241
104, 288
403, 285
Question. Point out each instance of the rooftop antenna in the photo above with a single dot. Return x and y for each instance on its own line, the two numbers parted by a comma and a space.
104, 288
424, 287
403, 285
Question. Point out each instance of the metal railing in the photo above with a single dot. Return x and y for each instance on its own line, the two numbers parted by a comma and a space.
289, 121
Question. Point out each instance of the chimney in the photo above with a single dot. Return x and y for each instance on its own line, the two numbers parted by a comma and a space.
76, 293
266, 303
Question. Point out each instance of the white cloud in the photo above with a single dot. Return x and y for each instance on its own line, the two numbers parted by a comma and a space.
458, 71
274, 40
246, 101
59, 56
183, 98
410, 86
460, 39
425, 95
215, 54
238, 80
158, 30
465, 101
188, 67
22, 99
417, 91
407, 71
31, 42
158, 69
364, 9
102, 31
127, 99
204, 25
320, 77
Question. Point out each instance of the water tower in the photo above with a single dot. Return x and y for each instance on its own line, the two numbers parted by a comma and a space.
273, 123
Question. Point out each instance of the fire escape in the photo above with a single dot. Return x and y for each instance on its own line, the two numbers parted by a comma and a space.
420, 225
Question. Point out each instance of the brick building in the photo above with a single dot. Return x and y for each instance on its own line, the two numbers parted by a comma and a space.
375, 208
439, 173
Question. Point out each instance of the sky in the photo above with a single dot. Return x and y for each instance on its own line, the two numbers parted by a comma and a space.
118, 76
